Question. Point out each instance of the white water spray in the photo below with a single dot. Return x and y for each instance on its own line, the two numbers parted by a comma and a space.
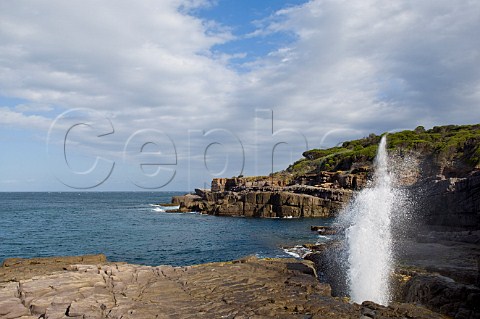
369, 239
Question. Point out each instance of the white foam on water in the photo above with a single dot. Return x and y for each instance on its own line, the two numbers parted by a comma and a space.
162, 209
297, 251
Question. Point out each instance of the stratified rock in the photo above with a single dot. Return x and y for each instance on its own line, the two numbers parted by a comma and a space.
291, 201
450, 202
451, 254
354, 180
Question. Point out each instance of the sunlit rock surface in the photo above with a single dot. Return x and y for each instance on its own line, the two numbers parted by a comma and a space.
247, 288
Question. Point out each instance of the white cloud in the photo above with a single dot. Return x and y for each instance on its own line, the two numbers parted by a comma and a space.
354, 67
11, 118
374, 65
36, 108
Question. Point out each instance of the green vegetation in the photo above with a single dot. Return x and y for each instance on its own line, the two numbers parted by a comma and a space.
452, 143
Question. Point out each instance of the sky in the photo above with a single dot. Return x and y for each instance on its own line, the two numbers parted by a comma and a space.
168, 94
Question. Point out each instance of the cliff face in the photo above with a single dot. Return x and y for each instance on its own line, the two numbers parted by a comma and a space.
440, 201
288, 201
449, 202
440, 167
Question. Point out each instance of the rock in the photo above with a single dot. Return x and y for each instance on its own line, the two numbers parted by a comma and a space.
12, 308
246, 288
280, 202
239, 183
451, 254
329, 266
453, 203
316, 247
22, 268
367, 311
444, 295
354, 180
264, 197
324, 230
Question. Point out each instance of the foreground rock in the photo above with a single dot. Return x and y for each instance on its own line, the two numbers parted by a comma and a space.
442, 294
15, 269
247, 288
451, 254
439, 270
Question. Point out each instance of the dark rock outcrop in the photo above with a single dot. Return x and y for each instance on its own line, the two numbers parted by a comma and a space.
284, 202
324, 230
444, 295
264, 197
450, 202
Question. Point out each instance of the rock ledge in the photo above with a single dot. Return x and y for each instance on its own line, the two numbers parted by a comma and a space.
246, 288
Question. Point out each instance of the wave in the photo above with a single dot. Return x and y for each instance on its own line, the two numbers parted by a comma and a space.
162, 209
297, 251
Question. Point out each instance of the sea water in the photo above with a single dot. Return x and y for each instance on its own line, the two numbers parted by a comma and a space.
130, 227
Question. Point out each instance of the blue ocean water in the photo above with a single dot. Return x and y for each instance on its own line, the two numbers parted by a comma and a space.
126, 227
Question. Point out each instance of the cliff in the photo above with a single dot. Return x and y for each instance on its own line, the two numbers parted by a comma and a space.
451, 151
439, 167
452, 203
289, 202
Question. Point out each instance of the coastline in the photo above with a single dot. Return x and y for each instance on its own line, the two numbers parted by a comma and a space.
436, 254
437, 271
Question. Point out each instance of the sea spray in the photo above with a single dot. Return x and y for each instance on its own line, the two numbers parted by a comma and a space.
368, 237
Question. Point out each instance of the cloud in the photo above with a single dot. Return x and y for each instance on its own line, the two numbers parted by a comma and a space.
374, 65
351, 68
20, 120
110, 55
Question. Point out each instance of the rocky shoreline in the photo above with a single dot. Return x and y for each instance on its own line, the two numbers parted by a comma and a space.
451, 203
267, 198
437, 276
91, 287
437, 269
437, 253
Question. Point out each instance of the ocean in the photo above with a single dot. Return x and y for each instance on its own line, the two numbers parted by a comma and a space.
128, 226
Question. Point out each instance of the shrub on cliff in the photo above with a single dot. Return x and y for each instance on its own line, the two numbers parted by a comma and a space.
455, 145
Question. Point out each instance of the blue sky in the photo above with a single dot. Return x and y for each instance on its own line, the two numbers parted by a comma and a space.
243, 18
168, 94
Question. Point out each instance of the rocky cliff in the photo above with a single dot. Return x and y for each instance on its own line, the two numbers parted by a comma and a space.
449, 202
266, 201
440, 168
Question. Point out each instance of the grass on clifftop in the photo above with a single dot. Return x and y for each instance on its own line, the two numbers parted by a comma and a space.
444, 144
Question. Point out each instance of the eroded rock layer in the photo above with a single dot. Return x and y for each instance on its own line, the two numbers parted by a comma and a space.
239, 197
